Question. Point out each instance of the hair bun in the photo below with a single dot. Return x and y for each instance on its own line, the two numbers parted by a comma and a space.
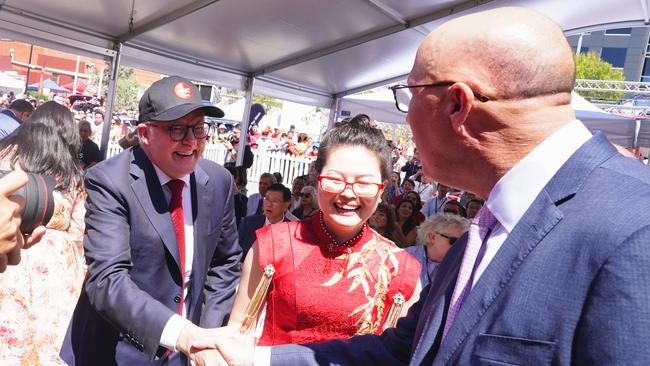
359, 119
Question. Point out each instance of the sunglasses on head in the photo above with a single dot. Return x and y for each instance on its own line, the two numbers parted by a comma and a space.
451, 239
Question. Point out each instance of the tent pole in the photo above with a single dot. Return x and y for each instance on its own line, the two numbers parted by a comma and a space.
29, 66
110, 99
243, 139
334, 112
76, 75
637, 129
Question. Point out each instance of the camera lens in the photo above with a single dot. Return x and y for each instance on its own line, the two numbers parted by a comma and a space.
37, 201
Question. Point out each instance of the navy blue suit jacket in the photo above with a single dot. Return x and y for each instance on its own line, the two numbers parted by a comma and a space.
570, 285
247, 229
133, 284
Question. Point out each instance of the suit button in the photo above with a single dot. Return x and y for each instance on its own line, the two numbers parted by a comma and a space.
177, 299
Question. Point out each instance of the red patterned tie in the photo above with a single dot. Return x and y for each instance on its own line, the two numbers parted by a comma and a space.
176, 210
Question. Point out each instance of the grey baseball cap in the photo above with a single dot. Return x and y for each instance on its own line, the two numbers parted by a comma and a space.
171, 98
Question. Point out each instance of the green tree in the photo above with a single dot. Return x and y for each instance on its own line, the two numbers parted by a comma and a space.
590, 66
128, 90
267, 102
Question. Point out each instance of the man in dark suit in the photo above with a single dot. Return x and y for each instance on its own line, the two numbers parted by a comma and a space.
161, 241
276, 204
550, 272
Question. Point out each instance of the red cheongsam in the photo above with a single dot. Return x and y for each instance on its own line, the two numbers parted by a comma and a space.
321, 290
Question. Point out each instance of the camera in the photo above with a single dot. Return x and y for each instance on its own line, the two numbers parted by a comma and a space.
36, 199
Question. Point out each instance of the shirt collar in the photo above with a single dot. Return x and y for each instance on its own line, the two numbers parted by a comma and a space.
513, 194
286, 217
164, 178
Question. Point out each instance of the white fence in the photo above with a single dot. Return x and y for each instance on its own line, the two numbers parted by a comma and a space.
286, 164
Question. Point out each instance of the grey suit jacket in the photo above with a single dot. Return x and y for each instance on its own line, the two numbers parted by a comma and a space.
570, 285
133, 284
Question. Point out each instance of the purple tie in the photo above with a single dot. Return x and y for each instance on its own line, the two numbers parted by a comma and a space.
479, 232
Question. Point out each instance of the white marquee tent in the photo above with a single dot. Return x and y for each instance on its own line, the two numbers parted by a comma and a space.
306, 51
11, 83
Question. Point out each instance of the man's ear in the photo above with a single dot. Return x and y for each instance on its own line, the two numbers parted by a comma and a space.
143, 132
459, 103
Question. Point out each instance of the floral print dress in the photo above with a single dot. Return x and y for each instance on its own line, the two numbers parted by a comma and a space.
38, 296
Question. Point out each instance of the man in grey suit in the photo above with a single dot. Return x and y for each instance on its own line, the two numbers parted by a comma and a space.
551, 271
161, 240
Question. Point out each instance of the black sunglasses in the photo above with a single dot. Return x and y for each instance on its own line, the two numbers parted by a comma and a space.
451, 239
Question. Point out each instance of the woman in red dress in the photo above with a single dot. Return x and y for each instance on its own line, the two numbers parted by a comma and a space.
334, 277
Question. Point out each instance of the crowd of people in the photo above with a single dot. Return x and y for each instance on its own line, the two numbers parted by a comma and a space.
311, 203
157, 255
268, 140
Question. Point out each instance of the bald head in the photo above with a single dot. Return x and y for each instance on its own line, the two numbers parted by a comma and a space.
506, 53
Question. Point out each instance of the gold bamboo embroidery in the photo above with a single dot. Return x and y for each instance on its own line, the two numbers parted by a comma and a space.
358, 270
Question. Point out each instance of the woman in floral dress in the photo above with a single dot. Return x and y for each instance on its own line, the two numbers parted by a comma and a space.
334, 277
37, 297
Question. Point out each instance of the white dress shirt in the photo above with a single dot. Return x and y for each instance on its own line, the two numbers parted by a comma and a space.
434, 206
513, 194
174, 325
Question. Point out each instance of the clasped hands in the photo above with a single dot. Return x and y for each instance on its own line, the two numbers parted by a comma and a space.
216, 346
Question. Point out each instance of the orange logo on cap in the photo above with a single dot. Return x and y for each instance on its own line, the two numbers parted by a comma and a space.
183, 91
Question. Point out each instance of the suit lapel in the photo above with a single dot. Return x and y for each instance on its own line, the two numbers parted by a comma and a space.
433, 311
541, 217
200, 195
149, 194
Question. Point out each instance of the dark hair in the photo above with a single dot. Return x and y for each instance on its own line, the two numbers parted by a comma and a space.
278, 177
461, 209
356, 132
47, 143
279, 187
410, 181
238, 173
233, 171
402, 202
22, 106
417, 205
475, 200
410, 222
391, 220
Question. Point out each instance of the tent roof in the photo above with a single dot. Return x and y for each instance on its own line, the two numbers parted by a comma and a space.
301, 50
49, 84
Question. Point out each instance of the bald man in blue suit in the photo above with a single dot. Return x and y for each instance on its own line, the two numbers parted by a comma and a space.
561, 274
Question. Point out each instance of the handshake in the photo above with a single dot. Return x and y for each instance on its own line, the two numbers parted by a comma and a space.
217, 346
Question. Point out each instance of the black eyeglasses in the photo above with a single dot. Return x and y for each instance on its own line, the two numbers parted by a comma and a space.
179, 132
305, 195
402, 93
451, 239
